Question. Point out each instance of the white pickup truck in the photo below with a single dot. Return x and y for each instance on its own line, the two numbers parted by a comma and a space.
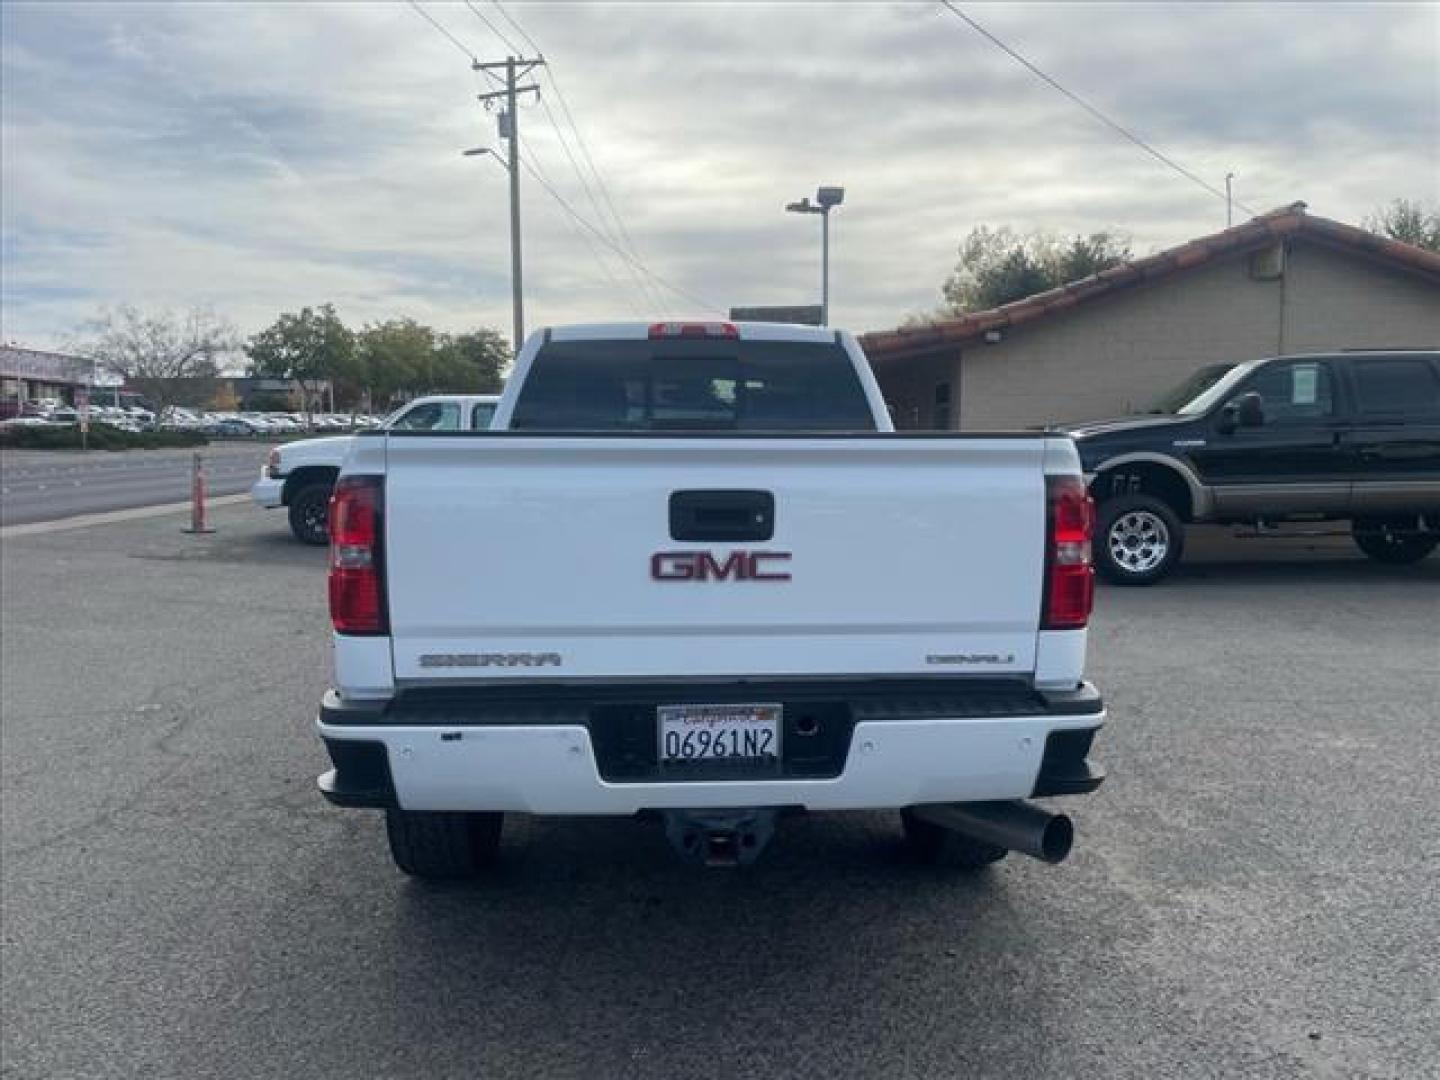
692, 574
301, 475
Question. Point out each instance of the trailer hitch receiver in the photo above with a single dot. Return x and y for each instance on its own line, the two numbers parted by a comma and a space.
720, 837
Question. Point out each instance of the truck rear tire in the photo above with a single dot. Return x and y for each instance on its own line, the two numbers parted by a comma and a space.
442, 847
936, 845
1398, 548
310, 514
1138, 539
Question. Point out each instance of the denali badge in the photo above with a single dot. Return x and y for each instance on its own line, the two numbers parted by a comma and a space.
491, 659
703, 566
970, 658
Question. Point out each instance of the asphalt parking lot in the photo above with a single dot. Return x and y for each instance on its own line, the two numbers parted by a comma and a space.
1253, 893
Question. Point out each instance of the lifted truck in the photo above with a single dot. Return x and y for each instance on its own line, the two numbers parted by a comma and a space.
1294, 441
692, 573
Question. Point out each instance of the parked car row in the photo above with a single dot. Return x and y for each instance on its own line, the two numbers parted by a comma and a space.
263, 423
51, 412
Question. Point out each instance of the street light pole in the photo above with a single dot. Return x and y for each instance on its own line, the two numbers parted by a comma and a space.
826, 199
825, 267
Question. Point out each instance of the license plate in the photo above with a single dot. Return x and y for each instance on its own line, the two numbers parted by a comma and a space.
719, 732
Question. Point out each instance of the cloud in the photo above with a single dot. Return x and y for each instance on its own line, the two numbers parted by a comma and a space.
258, 157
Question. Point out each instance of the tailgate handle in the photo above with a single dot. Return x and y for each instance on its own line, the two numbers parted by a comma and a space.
724, 516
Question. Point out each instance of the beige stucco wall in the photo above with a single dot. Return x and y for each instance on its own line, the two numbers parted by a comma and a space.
1119, 353
1338, 301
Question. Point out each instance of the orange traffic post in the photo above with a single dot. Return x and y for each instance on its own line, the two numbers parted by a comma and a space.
198, 523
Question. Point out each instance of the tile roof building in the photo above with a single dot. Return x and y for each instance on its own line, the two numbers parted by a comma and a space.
1283, 282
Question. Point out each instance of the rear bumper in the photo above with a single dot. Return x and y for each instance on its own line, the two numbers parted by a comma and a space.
266, 492
410, 758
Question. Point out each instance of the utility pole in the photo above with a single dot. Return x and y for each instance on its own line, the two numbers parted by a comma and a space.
515, 68
1229, 213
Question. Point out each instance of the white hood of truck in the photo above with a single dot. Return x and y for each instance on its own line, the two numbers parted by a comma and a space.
326, 450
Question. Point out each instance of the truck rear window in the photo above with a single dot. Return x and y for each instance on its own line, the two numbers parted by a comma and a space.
692, 385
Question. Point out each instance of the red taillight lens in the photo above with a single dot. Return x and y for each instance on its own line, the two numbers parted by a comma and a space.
693, 330
357, 596
1069, 577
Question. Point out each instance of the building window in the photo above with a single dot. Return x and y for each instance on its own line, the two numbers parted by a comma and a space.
940, 415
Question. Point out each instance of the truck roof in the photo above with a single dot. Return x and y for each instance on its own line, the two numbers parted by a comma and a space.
639, 331
463, 399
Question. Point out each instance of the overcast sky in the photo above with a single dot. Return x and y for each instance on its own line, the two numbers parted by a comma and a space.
259, 157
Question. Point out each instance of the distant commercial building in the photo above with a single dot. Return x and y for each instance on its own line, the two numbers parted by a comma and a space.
1284, 282
798, 314
32, 374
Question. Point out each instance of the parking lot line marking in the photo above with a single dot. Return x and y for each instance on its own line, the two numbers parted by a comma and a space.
85, 521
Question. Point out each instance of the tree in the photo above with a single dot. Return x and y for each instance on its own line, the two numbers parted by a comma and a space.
167, 359
267, 401
394, 357
997, 266
1409, 222
472, 362
310, 348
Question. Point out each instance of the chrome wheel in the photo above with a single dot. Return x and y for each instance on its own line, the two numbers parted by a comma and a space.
310, 514
1139, 541
316, 520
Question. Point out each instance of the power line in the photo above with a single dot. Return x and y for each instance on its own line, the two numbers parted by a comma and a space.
451, 37
518, 28
589, 244
496, 30
622, 233
651, 295
1091, 109
630, 260
677, 290
651, 298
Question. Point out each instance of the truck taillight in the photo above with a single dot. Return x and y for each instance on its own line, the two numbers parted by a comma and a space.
357, 588
272, 463
1069, 577
693, 330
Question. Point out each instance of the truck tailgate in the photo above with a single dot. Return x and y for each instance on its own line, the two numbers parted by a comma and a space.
524, 557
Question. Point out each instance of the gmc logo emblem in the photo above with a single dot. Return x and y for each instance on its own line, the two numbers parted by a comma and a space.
703, 566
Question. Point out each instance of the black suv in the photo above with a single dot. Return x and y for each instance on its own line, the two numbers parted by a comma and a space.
1293, 438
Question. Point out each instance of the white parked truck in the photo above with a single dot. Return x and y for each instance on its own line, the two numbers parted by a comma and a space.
692, 574
300, 475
